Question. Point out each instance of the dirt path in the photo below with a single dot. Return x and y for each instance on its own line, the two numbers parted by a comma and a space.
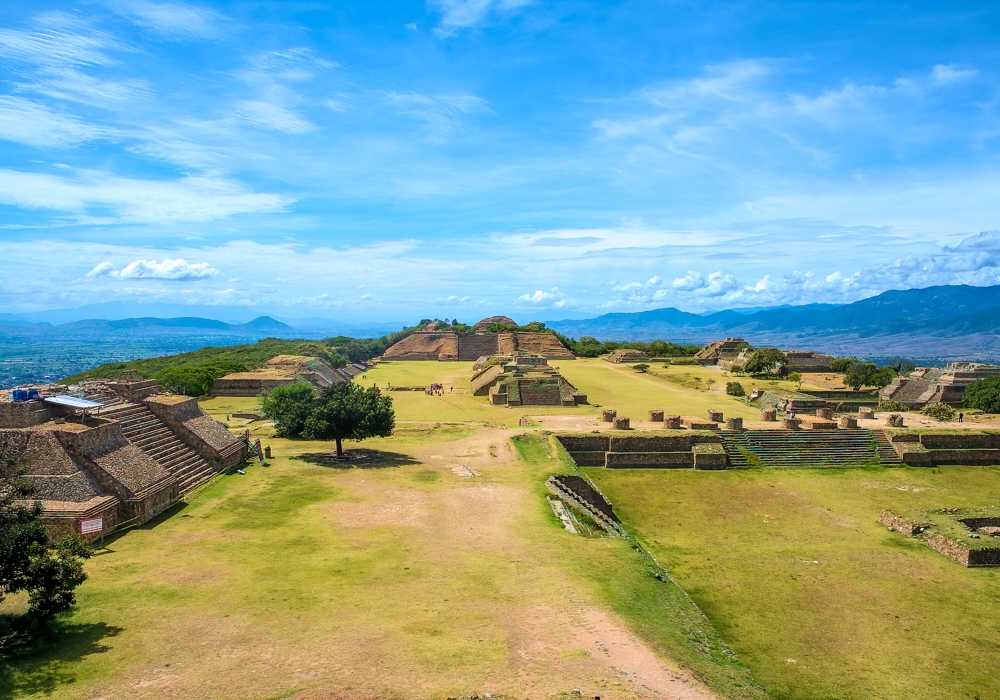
559, 639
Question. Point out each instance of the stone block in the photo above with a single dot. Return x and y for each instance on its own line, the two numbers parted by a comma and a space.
693, 423
734, 424
621, 424
894, 420
656, 415
847, 422
791, 423
608, 415
710, 456
826, 413
715, 416
769, 414
672, 422
866, 413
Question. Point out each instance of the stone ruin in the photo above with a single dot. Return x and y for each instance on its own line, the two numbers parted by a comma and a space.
450, 346
626, 356
524, 380
120, 462
969, 536
621, 423
929, 385
283, 370
719, 351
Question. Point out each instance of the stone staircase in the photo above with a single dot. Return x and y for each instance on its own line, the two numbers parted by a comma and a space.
791, 448
147, 432
887, 456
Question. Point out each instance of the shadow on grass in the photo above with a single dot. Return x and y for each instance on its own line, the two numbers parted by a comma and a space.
45, 663
358, 459
148, 525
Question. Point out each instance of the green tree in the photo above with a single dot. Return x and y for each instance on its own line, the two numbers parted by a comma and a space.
984, 395
735, 389
28, 562
350, 412
860, 374
190, 381
881, 377
795, 377
900, 365
842, 363
289, 407
764, 360
356, 352
640, 367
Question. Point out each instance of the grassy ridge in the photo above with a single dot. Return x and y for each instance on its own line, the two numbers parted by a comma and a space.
252, 355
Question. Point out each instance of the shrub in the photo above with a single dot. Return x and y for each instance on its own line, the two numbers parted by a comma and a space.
984, 395
890, 407
190, 381
939, 411
842, 363
640, 367
735, 389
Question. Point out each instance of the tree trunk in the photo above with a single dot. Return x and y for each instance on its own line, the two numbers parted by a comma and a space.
340, 448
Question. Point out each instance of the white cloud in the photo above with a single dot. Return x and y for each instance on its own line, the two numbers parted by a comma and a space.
61, 40
178, 269
172, 19
441, 113
411, 26
469, 14
945, 75
273, 116
34, 124
542, 299
192, 198
103, 269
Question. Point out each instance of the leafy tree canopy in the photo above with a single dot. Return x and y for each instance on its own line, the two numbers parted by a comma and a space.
984, 395
735, 389
764, 360
342, 412
28, 562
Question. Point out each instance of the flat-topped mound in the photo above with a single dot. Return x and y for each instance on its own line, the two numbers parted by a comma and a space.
468, 347
627, 355
279, 371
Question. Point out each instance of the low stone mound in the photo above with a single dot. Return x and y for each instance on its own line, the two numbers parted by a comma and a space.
425, 346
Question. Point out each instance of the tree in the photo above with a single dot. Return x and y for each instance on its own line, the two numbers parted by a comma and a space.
900, 365
984, 395
795, 377
881, 377
190, 381
28, 562
709, 383
842, 363
735, 389
738, 370
356, 352
764, 360
640, 367
289, 407
859, 374
349, 412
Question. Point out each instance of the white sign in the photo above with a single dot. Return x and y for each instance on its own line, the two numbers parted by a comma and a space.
92, 525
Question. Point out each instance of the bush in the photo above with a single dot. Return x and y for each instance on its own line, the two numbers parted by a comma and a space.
190, 381
765, 360
939, 411
890, 407
735, 389
842, 363
640, 367
984, 395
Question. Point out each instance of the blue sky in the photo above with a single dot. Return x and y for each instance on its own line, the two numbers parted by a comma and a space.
383, 161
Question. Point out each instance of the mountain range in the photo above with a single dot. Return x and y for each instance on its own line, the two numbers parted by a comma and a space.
959, 321
185, 325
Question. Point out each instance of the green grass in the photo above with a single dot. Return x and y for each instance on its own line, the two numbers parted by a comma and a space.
816, 597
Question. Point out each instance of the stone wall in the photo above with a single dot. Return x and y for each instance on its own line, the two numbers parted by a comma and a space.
247, 387
540, 392
900, 524
23, 414
646, 460
583, 443
472, 346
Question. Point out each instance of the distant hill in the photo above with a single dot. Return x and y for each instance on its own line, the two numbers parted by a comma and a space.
263, 324
953, 321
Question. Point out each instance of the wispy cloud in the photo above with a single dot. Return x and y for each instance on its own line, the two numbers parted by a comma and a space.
174, 20
470, 14
178, 269
86, 193
440, 113
34, 124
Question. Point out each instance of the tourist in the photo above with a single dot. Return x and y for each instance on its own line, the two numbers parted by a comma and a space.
961, 417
